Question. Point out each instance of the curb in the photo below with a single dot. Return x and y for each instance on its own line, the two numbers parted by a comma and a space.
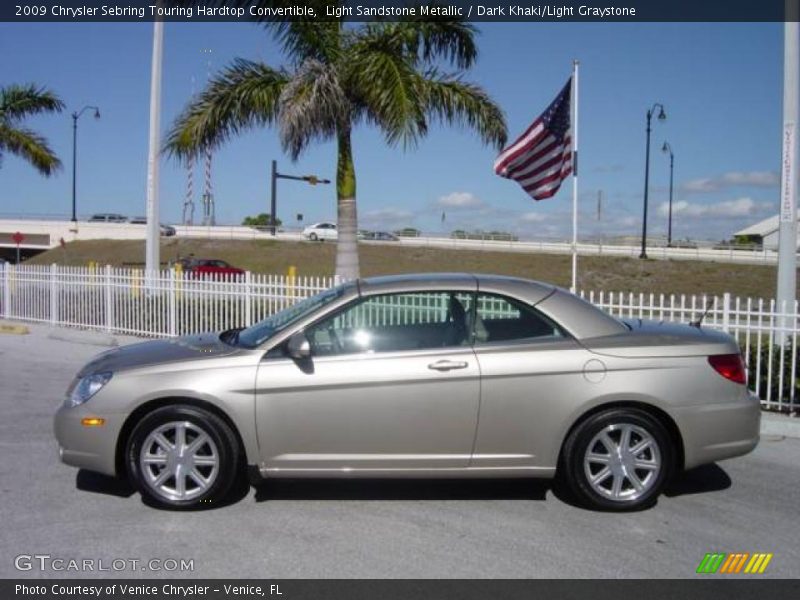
13, 328
90, 338
780, 425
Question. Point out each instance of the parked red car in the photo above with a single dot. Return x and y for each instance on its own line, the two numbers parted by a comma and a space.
204, 267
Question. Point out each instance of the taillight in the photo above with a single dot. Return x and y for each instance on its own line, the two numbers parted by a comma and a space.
730, 366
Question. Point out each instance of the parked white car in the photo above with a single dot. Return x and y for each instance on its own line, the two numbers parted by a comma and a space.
321, 232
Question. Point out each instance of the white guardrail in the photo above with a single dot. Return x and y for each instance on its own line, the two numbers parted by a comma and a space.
171, 303
55, 231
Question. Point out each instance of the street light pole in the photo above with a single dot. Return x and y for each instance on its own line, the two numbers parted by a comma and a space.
310, 179
273, 207
661, 116
667, 148
75, 116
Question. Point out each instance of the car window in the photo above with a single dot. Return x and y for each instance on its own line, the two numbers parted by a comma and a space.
393, 323
502, 319
260, 332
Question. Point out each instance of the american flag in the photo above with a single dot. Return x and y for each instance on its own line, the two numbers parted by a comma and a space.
541, 158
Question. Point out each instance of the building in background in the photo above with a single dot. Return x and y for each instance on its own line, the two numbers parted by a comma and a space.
764, 233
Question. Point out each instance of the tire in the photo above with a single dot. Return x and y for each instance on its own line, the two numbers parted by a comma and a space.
312, 237
600, 478
205, 474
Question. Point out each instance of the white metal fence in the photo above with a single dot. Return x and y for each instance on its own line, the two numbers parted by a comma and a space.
171, 304
167, 303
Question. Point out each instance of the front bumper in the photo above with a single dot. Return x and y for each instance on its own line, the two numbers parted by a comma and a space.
91, 448
713, 432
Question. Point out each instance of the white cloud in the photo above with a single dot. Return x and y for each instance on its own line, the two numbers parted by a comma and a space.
763, 179
533, 217
741, 207
460, 200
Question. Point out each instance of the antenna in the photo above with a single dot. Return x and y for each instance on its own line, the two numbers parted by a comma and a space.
188, 203
209, 217
699, 321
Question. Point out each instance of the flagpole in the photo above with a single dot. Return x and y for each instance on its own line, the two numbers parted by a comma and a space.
574, 96
153, 230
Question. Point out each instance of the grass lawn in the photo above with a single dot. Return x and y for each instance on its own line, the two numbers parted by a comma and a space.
594, 273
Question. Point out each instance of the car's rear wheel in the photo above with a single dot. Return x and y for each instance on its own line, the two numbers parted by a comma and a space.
617, 459
183, 457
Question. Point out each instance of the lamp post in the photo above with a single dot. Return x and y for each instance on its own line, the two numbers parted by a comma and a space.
310, 179
75, 117
661, 117
666, 148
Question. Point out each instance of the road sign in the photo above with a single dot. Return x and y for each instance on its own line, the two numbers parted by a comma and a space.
17, 238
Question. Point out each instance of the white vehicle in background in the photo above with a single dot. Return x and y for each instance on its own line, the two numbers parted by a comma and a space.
321, 232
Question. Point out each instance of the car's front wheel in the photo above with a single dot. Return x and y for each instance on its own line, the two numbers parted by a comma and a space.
617, 459
182, 456
312, 237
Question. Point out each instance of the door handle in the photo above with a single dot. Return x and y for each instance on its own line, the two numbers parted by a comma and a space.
447, 365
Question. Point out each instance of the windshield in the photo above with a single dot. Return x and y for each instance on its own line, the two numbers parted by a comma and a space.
257, 334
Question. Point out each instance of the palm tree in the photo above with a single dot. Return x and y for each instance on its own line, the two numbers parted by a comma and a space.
16, 103
383, 74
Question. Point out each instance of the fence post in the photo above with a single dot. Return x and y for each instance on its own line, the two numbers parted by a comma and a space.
53, 294
109, 301
7, 290
248, 300
5, 287
726, 312
173, 317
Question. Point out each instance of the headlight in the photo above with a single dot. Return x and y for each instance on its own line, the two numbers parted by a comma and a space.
86, 388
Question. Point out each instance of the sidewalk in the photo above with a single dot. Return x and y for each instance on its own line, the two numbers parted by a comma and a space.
781, 425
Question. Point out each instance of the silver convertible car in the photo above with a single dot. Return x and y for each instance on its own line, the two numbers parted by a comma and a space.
438, 375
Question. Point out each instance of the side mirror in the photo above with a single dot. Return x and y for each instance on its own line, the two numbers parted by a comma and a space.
298, 346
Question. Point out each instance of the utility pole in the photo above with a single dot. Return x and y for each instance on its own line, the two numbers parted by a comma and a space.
599, 204
667, 149
787, 241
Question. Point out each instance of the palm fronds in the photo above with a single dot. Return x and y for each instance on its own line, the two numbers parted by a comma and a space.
16, 103
244, 95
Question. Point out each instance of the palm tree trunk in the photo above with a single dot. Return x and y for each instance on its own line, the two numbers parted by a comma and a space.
347, 246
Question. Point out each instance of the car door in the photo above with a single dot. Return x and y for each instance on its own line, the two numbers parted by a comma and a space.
392, 383
532, 373
329, 231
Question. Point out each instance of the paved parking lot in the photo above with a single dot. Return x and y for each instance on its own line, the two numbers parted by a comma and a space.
342, 529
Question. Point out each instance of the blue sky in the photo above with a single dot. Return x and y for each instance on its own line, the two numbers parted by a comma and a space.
721, 85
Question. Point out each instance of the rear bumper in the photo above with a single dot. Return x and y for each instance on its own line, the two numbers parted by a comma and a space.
713, 432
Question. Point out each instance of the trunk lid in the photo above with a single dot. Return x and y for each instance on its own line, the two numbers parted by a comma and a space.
646, 339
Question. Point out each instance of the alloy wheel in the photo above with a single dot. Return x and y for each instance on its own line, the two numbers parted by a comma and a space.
179, 461
622, 462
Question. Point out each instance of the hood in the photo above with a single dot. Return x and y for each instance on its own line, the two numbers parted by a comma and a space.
206, 345
647, 338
